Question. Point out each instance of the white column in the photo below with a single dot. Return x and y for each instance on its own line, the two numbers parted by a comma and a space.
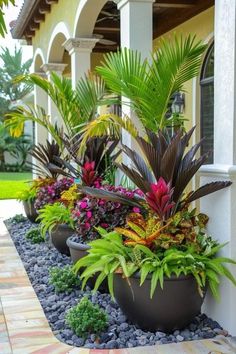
136, 30
41, 100
136, 21
57, 68
80, 50
221, 206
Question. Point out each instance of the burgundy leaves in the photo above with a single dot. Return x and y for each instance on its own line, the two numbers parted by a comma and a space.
48, 157
163, 170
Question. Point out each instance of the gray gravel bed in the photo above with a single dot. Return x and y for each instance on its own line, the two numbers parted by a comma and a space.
38, 258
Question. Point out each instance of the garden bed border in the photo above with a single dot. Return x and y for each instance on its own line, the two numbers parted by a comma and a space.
25, 329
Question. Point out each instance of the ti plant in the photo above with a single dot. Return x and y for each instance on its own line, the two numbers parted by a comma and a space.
96, 161
162, 172
110, 255
47, 157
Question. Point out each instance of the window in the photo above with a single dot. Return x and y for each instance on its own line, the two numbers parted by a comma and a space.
207, 104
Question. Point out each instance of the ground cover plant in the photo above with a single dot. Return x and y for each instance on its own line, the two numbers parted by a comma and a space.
34, 235
63, 279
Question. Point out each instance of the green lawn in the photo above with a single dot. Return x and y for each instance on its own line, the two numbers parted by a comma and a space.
13, 182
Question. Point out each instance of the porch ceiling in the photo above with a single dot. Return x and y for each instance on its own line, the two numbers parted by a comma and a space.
167, 14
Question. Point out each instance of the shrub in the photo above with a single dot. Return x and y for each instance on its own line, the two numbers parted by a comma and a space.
63, 279
86, 318
18, 218
34, 235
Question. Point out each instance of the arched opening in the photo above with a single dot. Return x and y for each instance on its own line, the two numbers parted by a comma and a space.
38, 62
207, 104
56, 51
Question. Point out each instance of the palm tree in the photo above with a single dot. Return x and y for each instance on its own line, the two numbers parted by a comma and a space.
148, 87
76, 107
3, 3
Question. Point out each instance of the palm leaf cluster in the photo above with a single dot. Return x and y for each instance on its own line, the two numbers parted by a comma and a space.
75, 106
150, 87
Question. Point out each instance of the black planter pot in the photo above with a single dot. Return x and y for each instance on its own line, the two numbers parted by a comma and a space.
172, 308
59, 236
30, 210
78, 251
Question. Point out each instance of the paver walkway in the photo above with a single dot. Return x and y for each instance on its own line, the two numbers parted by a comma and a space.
24, 328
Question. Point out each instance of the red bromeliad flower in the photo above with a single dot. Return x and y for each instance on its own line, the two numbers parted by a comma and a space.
89, 173
159, 198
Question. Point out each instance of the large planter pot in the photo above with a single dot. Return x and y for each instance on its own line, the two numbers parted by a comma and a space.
172, 308
59, 236
30, 210
78, 251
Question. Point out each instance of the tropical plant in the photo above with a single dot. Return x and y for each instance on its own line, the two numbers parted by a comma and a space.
147, 87
47, 157
110, 255
86, 318
76, 107
13, 66
96, 162
3, 28
89, 213
51, 191
162, 172
63, 279
16, 147
27, 195
53, 214
181, 229
34, 235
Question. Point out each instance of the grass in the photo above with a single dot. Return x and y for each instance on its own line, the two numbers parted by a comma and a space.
13, 182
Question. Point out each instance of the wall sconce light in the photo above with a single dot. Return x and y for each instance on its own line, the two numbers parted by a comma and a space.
178, 104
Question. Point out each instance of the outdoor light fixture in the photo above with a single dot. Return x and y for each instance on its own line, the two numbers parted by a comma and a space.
178, 103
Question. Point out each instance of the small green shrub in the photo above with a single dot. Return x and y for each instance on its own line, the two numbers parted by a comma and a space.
18, 218
34, 235
86, 318
63, 279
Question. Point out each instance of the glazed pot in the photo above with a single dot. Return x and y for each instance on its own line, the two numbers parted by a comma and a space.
78, 251
30, 210
59, 236
170, 309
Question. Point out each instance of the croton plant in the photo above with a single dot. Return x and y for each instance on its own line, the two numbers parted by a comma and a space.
162, 236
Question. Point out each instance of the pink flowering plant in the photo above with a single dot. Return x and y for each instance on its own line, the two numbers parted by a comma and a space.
51, 193
90, 213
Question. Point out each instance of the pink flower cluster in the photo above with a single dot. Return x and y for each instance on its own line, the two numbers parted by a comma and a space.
51, 193
92, 212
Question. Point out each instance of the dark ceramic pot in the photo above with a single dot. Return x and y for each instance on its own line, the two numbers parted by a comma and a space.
59, 236
172, 308
78, 251
30, 210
